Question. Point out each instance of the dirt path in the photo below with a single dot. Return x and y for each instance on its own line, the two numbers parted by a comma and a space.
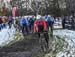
27, 47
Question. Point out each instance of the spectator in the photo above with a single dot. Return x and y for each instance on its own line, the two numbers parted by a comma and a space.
0, 24
25, 26
63, 22
4, 21
20, 20
31, 24
72, 23
50, 22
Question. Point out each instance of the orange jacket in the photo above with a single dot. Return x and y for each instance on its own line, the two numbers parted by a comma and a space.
42, 22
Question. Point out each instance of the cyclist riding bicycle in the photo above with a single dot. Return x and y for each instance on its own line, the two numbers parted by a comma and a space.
41, 27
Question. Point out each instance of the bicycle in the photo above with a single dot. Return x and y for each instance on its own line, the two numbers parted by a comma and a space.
42, 41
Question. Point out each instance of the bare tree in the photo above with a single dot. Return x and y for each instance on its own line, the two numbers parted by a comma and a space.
54, 7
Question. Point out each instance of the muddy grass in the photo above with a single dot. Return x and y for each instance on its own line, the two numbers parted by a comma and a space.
27, 47
30, 47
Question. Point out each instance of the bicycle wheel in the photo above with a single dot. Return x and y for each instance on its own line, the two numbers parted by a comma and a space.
43, 43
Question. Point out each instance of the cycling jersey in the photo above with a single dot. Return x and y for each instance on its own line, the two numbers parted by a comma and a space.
40, 25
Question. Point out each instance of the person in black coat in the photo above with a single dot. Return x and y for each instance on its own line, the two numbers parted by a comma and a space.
0, 23
72, 23
63, 22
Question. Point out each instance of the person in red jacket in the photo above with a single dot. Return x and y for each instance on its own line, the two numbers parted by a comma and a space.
40, 26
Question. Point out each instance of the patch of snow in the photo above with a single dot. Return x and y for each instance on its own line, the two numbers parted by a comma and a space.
6, 35
69, 36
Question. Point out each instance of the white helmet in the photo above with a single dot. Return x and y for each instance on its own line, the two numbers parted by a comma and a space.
49, 15
38, 17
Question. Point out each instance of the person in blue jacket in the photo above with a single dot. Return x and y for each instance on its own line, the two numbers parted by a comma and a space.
25, 25
20, 23
50, 22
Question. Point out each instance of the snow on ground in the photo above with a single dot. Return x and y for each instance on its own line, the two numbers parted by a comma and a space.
69, 36
6, 35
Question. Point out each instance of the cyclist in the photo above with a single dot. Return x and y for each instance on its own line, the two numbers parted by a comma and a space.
41, 27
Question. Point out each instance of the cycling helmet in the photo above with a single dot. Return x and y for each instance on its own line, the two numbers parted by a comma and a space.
38, 17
